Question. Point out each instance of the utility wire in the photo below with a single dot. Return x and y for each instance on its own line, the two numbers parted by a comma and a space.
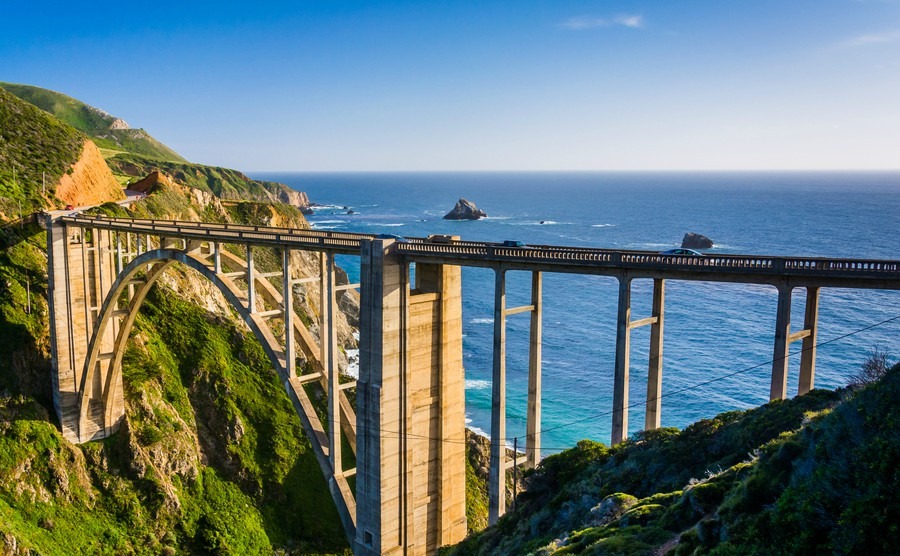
394, 434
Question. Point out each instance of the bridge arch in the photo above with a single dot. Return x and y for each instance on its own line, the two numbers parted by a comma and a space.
153, 263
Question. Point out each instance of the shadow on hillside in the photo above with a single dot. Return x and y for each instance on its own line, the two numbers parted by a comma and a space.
16, 231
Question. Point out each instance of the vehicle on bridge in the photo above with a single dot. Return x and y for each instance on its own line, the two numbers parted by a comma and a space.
513, 243
682, 251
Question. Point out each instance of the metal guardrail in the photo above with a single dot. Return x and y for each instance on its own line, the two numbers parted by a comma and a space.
564, 257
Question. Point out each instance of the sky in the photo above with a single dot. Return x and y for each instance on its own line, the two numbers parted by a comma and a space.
458, 85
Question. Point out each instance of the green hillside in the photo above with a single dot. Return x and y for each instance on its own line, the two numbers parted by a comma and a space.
225, 183
813, 475
103, 128
33, 145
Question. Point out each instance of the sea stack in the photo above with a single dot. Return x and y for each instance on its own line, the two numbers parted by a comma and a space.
696, 241
465, 210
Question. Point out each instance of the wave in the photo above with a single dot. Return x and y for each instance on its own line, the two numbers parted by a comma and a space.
329, 222
477, 384
330, 207
603, 225
392, 225
317, 227
482, 320
353, 363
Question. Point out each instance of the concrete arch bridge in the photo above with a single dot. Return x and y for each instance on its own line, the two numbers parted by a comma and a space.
408, 428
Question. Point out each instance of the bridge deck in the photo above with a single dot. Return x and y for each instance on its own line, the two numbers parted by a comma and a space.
813, 271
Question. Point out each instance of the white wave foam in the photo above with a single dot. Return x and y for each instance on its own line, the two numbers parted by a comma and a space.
329, 207
353, 363
328, 222
484, 320
476, 384
650, 245
603, 225
317, 227
391, 225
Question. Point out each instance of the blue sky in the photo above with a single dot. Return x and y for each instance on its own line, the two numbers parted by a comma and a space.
489, 85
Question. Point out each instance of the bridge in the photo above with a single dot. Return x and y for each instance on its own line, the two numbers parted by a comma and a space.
407, 429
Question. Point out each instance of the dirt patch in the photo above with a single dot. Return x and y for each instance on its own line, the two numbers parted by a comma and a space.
89, 181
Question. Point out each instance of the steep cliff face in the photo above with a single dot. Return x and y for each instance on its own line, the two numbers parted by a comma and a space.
90, 182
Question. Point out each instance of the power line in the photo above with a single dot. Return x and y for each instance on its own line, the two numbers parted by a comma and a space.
394, 434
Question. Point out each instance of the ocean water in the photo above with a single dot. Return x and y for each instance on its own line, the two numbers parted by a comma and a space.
711, 330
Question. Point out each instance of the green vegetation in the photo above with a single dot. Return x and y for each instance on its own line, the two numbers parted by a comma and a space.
812, 475
97, 124
32, 143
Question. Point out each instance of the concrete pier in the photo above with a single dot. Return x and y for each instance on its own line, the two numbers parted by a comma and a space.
410, 407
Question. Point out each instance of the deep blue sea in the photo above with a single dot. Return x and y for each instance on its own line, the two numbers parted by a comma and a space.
711, 329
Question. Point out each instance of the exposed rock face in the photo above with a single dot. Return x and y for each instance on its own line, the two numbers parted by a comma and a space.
696, 241
465, 210
296, 198
89, 181
149, 183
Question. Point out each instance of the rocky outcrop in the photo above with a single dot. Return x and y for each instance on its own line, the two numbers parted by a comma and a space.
295, 198
696, 241
465, 210
150, 183
89, 181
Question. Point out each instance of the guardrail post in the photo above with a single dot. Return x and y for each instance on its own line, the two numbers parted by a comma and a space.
497, 475
808, 356
653, 415
623, 345
778, 390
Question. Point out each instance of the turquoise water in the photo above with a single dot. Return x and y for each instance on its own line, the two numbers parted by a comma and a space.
711, 329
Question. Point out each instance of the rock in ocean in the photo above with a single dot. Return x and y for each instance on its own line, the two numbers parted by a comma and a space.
465, 210
696, 241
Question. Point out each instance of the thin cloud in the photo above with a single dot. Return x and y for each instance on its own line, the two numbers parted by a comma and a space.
583, 22
872, 38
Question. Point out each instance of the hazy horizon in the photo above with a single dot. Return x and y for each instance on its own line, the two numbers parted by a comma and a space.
569, 85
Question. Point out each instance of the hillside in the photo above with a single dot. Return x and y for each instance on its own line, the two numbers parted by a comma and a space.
133, 154
812, 475
212, 458
34, 146
107, 131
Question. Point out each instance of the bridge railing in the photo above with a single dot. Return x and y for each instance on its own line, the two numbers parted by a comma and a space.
486, 252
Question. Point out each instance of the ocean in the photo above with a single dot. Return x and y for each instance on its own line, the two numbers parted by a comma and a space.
712, 330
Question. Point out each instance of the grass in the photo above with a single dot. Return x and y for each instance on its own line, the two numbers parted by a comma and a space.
94, 123
34, 145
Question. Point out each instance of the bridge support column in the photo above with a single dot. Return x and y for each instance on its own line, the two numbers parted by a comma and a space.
623, 348
808, 356
251, 282
328, 350
778, 389
653, 415
497, 476
533, 418
410, 485
287, 311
